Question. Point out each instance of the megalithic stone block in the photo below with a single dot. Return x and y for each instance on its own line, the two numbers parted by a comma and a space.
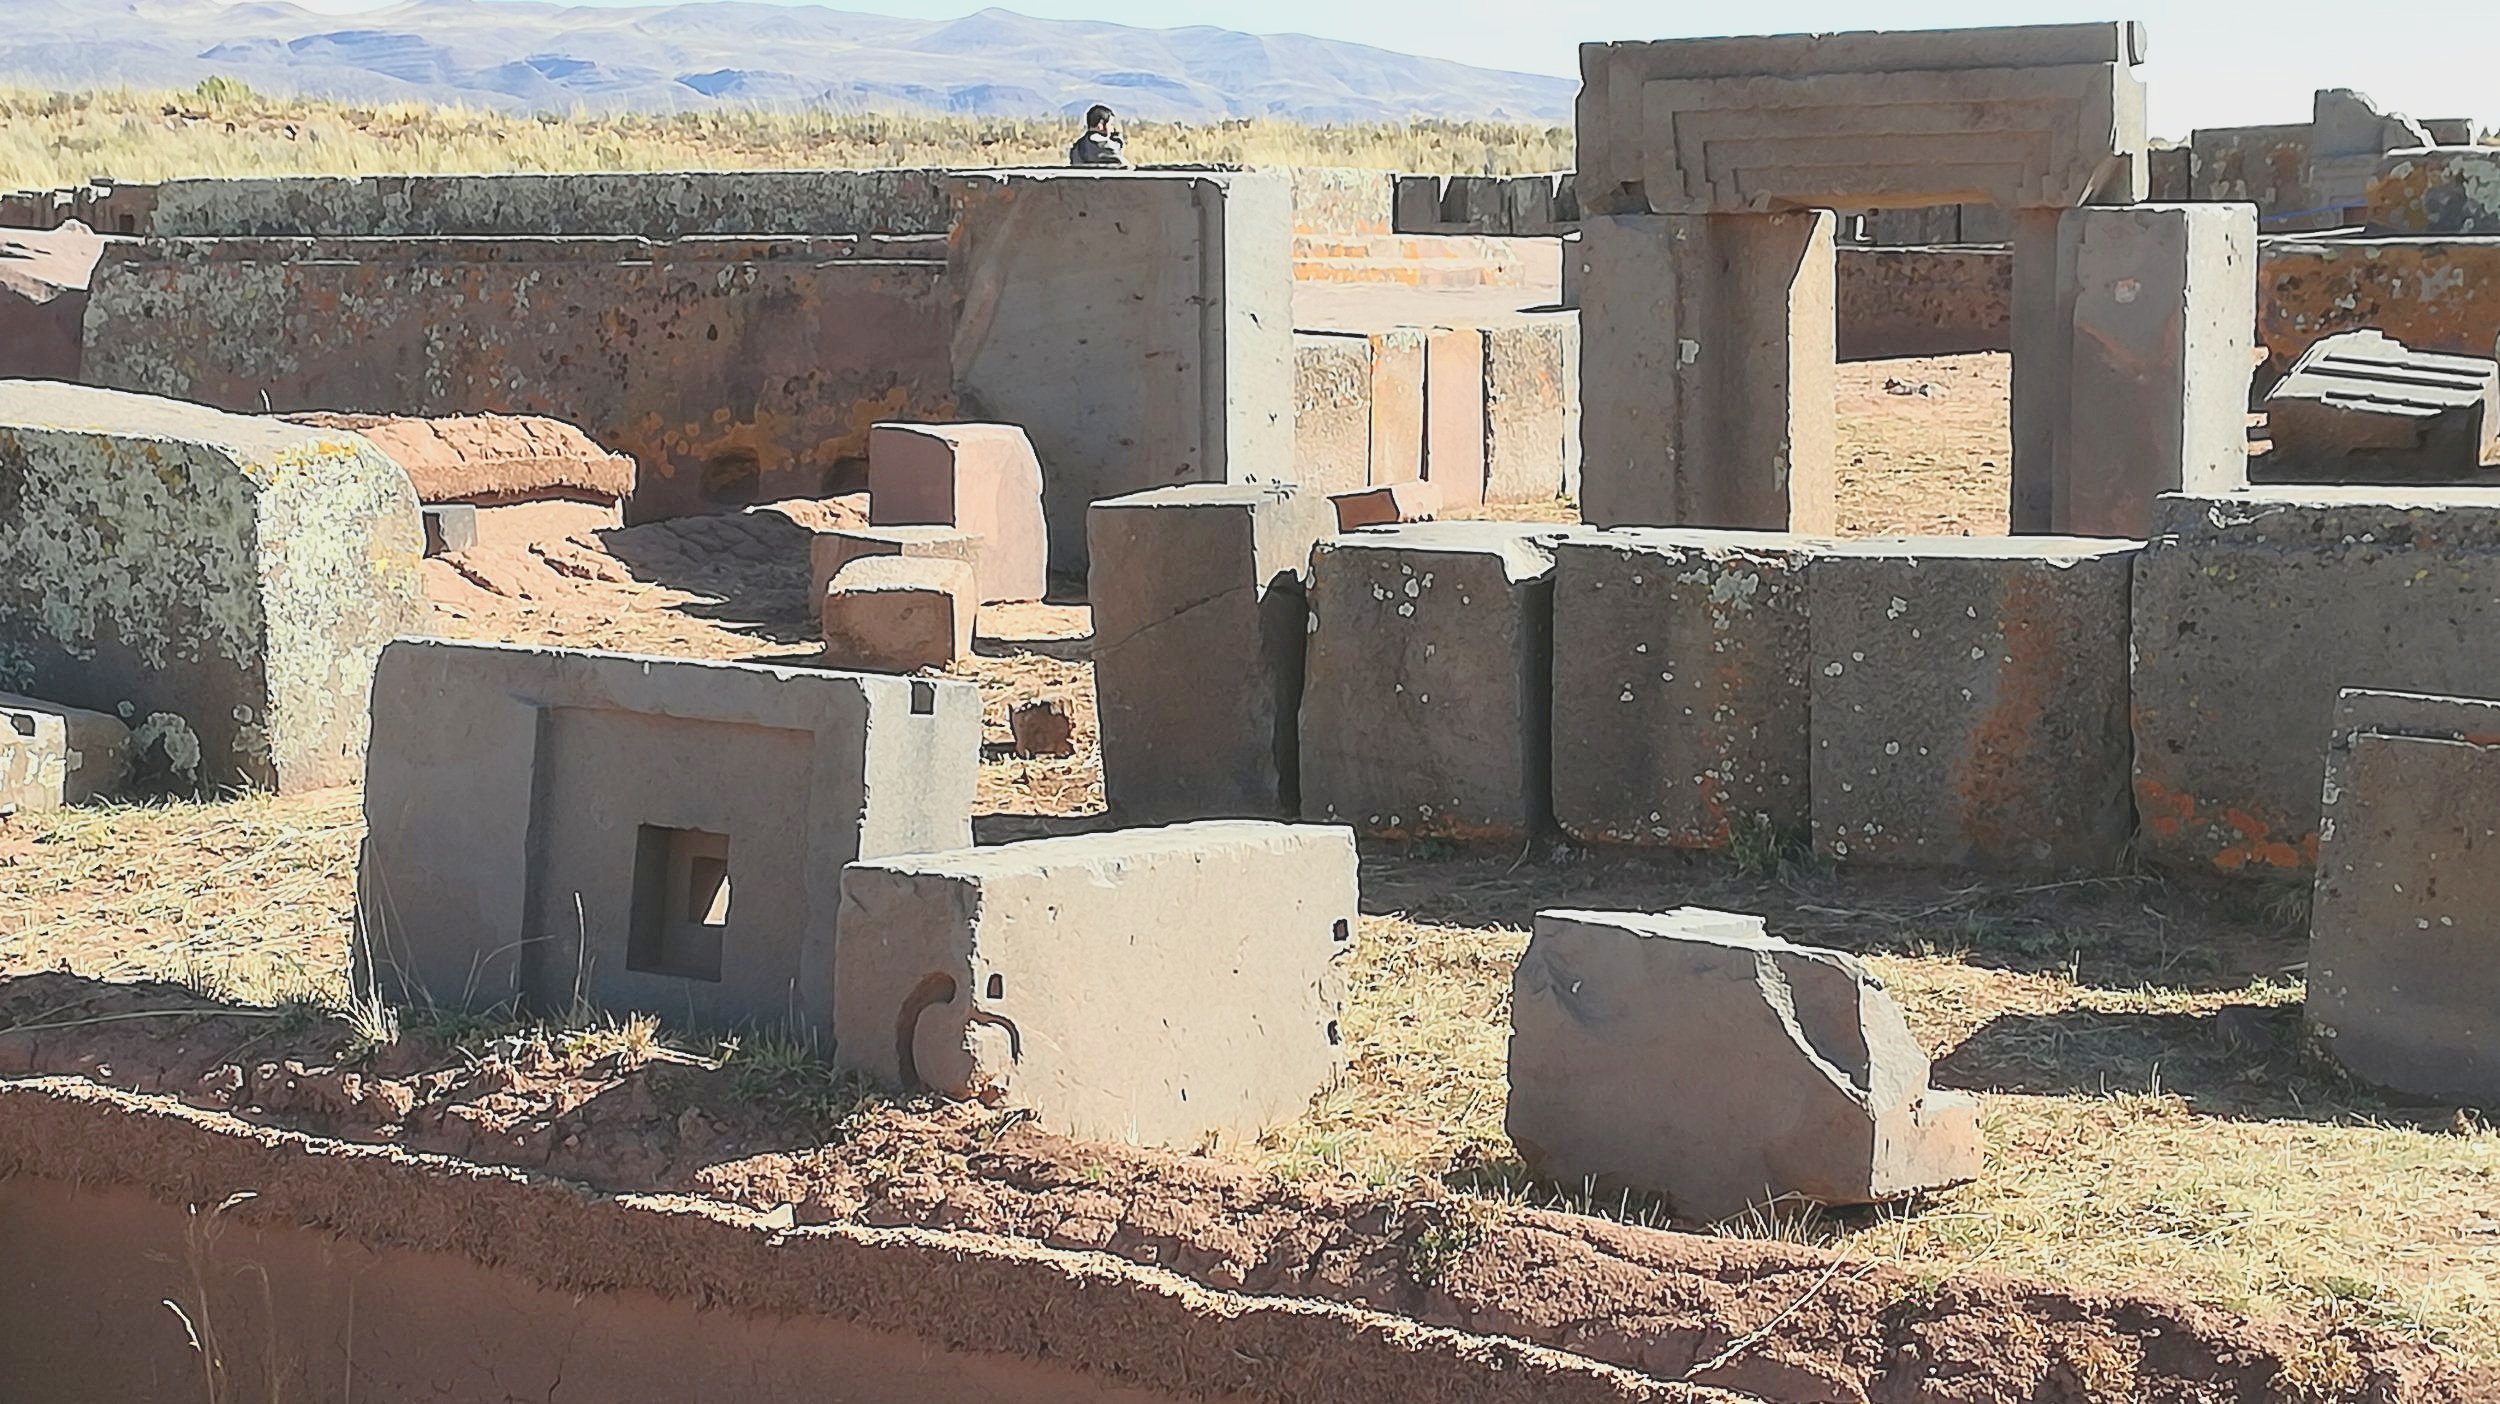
52, 756
829, 551
1680, 686
1397, 401
2363, 407
1427, 691
1454, 415
2252, 611
899, 614
2445, 191
1530, 389
1968, 702
1199, 617
1154, 986
977, 478
1814, 1087
236, 574
2402, 986
1706, 371
1332, 424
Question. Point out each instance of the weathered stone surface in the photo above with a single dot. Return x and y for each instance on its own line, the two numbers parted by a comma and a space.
226, 580
52, 756
979, 478
2162, 305
1386, 506
2044, 115
2363, 407
1342, 200
1137, 324
1531, 393
648, 204
43, 300
1428, 680
900, 614
2402, 986
2444, 190
449, 527
829, 551
488, 460
1969, 702
1680, 686
712, 368
1706, 372
1813, 1086
1199, 619
2431, 294
1923, 301
1155, 986
2348, 136
2252, 611
1332, 421
1454, 432
1397, 399
536, 817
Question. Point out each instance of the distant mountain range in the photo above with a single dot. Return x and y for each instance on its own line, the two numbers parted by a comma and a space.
529, 57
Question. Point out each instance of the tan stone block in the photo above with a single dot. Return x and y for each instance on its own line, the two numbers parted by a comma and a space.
899, 614
980, 478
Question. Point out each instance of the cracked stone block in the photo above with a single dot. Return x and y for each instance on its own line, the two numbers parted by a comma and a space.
1199, 619
1154, 986
53, 756
978, 478
2402, 986
899, 614
2252, 611
1428, 681
662, 835
1680, 686
1814, 1089
236, 572
1968, 701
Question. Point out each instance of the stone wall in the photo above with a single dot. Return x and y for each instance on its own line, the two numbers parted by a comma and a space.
648, 204
2432, 294
1924, 301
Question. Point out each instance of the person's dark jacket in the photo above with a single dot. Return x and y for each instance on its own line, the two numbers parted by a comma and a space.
1097, 149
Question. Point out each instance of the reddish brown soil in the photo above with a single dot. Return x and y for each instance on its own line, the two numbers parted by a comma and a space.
1661, 1303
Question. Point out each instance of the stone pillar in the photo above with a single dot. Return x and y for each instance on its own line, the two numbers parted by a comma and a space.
1706, 370
2043, 327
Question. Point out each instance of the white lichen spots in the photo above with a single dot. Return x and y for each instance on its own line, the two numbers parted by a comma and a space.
1626, 697
1406, 611
1856, 656
1892, 748
1834, 669
1897, 608
1977, 653
1414, 588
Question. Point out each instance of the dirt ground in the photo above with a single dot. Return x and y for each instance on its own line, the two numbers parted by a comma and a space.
2156, 1119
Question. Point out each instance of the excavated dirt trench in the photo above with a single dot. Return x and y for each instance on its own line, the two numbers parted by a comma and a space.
1646, 1310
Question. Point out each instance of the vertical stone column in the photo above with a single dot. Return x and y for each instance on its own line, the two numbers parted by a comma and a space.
2043, 328
1706, 370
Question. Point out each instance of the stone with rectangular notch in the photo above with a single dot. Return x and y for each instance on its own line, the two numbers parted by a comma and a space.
551, 826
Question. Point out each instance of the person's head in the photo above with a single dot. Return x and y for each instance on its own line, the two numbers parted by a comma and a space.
1098, 118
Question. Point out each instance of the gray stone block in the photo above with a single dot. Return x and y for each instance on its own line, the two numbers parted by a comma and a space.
53, 756
1969, 702
1154, 986
1137, 324
640, 834
2361, 406
1428, 681
1680, 685
2402, 986
229, 579
2252, 611
1689, 1055
1199, 617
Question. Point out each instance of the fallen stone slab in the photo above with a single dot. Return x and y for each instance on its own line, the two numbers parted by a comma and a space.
487, 460
236, 574
1814, 1087
660, 835
2362, 406
53, 756
829, 551
1388, 505
1199, 621
1680, 686
1429, 680
2251, 612
1155, 986
1968, 701
2402, 986
978, 478
899, 614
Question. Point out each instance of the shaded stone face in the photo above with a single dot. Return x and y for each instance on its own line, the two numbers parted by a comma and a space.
222, 583
2252, 611
2402, 986
2363, 407
641, 834
1815, 1088
1154, 986
1969, 702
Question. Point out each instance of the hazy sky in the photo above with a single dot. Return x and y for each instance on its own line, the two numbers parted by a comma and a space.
2212, 63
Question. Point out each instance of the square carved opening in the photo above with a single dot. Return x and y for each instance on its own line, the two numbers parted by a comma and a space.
681, 902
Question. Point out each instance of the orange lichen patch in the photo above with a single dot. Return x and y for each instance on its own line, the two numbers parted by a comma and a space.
2430, 294
2259, 847
2162, 811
